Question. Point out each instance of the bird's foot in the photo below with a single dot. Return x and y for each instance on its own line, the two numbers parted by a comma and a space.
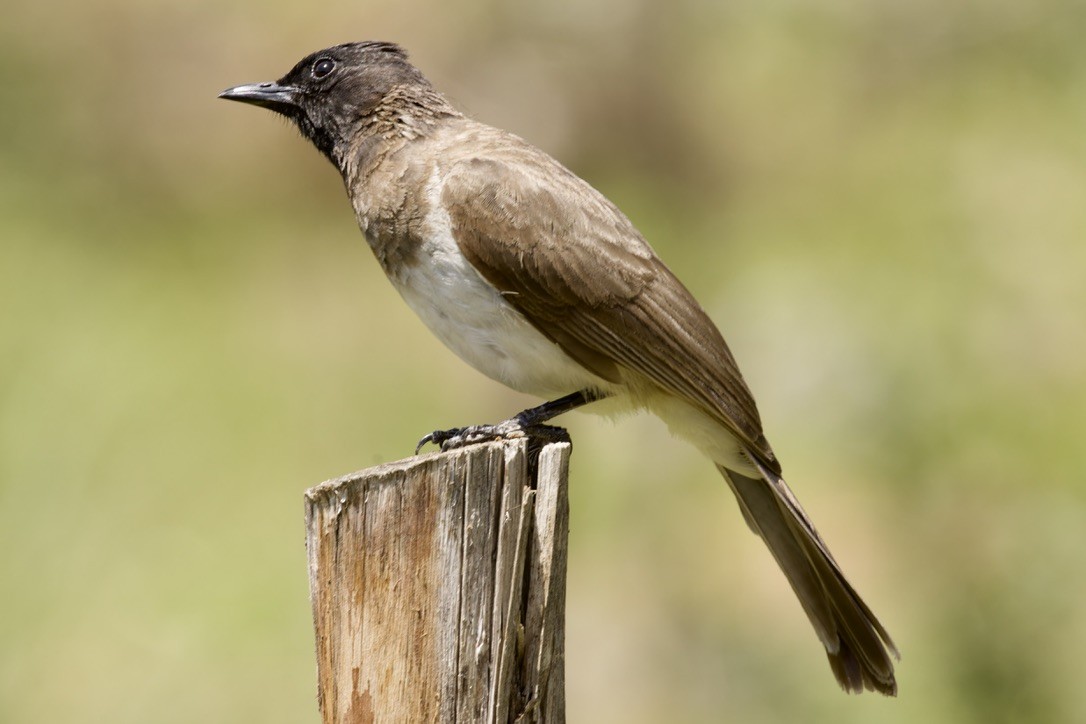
512, 428
458, 437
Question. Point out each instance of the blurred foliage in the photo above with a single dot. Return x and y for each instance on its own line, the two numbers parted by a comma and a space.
881, 203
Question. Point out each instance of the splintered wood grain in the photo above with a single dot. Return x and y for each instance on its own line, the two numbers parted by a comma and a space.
419, 588
517, 503
544, 620
485, 479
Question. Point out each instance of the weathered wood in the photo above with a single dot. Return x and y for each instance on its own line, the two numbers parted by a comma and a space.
438, 587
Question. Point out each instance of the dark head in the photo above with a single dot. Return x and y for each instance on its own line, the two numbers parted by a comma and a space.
331, 94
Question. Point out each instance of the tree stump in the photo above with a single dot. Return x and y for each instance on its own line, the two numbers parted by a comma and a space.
438, 586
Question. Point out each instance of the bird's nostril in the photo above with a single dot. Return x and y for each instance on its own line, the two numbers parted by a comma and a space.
265, 85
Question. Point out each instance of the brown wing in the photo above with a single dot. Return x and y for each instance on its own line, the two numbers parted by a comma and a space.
576, 267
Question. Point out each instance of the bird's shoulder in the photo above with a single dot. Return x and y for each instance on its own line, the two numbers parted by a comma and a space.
528, 223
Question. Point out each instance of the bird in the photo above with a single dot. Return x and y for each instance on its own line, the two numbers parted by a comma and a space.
537, 280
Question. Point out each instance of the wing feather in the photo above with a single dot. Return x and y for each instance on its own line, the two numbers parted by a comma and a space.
579, 271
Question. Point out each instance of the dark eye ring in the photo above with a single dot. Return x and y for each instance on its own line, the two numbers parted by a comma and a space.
323, 67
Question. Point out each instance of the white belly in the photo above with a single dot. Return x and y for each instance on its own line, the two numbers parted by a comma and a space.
473, 320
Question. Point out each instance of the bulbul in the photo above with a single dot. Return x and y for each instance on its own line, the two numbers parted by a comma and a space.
535, 279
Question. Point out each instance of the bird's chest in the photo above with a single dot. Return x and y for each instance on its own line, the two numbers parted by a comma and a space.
468, 314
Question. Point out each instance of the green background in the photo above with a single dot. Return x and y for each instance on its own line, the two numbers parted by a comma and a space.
881, 204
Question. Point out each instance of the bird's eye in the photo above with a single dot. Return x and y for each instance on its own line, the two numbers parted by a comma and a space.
323, 67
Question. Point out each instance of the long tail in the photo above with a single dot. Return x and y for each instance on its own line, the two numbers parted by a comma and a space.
858, 647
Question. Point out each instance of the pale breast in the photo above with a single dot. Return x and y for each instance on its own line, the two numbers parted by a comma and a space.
472, 318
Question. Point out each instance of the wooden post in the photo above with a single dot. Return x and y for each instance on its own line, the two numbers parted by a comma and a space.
438, 587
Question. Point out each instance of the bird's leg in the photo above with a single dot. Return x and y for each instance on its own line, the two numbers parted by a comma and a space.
527, 421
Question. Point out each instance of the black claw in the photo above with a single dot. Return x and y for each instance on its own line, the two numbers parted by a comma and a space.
458, 437
438, 437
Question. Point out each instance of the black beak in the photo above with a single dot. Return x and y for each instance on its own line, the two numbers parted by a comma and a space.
281, 98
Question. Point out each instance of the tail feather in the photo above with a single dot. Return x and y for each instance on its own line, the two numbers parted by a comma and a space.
858, 647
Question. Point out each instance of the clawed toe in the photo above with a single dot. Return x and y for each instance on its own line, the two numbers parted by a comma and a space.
436, 437
450, 439
459, 437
